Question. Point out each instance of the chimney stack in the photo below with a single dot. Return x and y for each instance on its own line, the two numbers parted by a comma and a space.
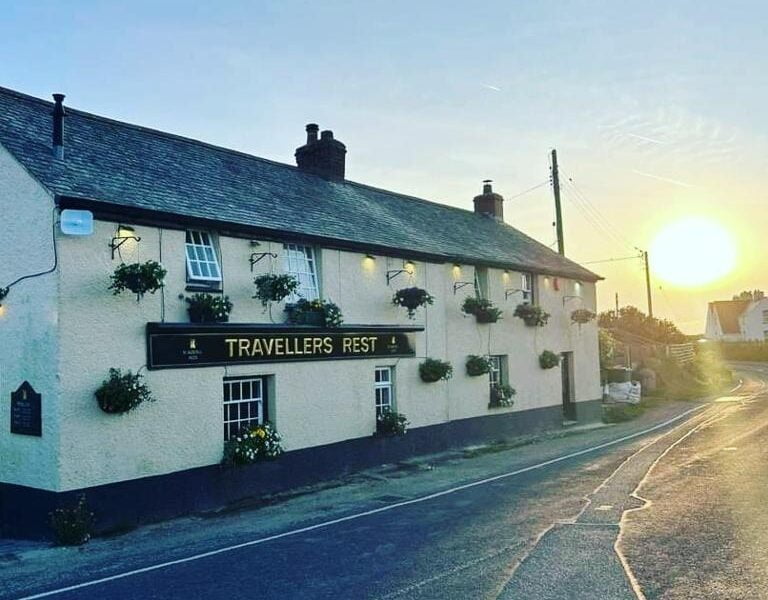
324, 157
58, 126
488, 203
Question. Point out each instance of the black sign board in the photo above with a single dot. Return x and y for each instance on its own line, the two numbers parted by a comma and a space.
177, 345
26, 411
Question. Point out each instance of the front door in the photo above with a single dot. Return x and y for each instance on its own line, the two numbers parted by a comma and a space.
566, 370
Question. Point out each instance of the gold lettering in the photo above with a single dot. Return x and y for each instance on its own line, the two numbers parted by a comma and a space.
346, 345
280, 346
242, 347
231, 342
372, 340
307, 345
270, 343
328, 345
317, 345
257, 349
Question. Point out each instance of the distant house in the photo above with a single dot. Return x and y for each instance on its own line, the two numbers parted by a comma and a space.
737, 320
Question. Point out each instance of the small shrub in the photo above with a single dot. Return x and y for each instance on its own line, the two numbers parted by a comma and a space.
501, 395
412, 298
209, 308
582, 316
432, 370
619, 413
274, 288
72, 526
548, 359
533, 316
316, 312
122, 392
139, 278
478, 365
252, 444
482, 308
391, 423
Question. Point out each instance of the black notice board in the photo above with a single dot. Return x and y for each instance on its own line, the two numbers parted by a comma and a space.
26, 411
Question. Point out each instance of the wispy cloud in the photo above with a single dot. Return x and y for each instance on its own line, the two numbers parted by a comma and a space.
665, 179
488, 86
645, 138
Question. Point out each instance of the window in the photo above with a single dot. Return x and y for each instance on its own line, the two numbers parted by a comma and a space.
765, 317
495, 375
526, 285
481, 282
245, 402
202, 263
384, 390
300, 262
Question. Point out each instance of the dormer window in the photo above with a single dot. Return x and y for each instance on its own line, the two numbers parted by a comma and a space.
202, 262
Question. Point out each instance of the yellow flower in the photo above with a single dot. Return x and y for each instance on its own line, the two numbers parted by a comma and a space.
261, 433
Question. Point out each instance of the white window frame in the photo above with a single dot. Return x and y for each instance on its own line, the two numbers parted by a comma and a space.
384, 389
481, 282
765, 317
244, 403
496, 374
205, 257
301, 262
526, 286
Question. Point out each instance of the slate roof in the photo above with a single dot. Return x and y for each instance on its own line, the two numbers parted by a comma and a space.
123, 166
728, 313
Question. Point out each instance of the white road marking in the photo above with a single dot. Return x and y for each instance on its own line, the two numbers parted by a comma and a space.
366, 513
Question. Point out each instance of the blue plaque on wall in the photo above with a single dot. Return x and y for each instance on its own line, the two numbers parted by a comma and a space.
26, 411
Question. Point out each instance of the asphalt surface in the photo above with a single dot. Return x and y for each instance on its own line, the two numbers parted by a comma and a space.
544, 520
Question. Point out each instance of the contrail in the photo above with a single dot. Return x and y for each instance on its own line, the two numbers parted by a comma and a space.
667, 179
645, 139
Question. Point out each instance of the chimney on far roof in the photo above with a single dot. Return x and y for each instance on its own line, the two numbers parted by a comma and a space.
324, 157
58, 125
489, 203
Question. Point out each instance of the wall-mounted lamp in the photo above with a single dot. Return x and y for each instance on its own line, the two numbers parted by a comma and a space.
460, 284
257, 256
408, 267
124, 233
370, 257
509, 292
3, 294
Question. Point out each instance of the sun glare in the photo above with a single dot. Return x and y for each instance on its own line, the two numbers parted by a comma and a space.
693, 251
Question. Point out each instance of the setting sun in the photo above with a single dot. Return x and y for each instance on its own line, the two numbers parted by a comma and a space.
692, 252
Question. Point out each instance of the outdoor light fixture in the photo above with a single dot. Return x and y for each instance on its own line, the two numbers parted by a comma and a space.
257, 256
124, 233
370, 257
408, 267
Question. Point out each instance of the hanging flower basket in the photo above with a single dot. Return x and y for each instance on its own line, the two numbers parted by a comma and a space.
122, 392
478, 365
432, 370
549, 359
501, 396
319, 313
252, 444
482, 308
582, 316
532, 316
391, 423
209, 308
412, 298
274, 288
139, 278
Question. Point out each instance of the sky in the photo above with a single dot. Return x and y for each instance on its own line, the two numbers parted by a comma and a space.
656, 109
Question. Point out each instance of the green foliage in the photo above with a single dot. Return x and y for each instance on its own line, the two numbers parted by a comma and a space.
532, 315
501, 395
274, 288
432, 370
122, 392
72, 526
139, 278
607, 348
482, 308
412, 298
747, 351
750, 295
478, 365
548, 359
209, 308
635, 322
320, 312
705, 375
619, 413
252, 444
582, 316
391, 423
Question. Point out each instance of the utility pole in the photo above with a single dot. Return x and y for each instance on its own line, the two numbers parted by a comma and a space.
617, 305
648, 283
558, 210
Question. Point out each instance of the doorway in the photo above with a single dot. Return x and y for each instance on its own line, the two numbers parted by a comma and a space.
566, 370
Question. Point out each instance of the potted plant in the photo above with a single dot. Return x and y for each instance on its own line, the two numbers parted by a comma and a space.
122, 392
478, 365
549, 359
501, 395
139, 278
432, 370
252, 444
209, 308
274, 288
582, 316
482, 308
391, 423
533, 316
320, 313
72, 525
412, 298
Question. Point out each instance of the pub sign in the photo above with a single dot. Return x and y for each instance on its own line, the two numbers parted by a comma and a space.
26, 411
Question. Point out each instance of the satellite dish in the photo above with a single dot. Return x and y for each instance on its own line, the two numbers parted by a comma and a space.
76, 222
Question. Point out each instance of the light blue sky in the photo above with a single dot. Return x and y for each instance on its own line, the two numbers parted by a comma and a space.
657, 109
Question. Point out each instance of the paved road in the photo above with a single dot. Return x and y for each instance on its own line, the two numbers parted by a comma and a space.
534, 522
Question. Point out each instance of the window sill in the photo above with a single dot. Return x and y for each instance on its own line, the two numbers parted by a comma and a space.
204, 287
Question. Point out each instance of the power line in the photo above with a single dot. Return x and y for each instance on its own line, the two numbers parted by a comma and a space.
535, 187
605, 260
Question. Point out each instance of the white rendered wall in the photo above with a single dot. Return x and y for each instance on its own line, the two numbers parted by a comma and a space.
315, 402
28, 324
752, 321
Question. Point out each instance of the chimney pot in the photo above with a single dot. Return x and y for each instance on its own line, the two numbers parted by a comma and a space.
489, 203
324, 157
312, 130
58, 125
